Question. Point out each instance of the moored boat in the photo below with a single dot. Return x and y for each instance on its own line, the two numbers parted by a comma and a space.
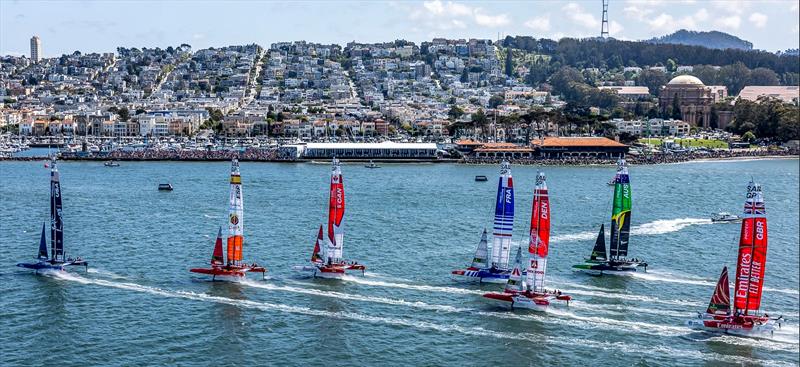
744, 319
57, 258
494, 269
327, 259
233, 266
617, 261
111, 163
530, 293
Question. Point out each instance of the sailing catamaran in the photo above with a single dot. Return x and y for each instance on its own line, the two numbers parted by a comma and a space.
497, 270
234, 266
617, 263
327, 258
530, 293
57, 258
745, 318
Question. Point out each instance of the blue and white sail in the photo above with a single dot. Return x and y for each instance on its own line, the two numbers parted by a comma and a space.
503, 218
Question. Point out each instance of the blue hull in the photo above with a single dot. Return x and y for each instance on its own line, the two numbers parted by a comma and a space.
46, 265
484, 275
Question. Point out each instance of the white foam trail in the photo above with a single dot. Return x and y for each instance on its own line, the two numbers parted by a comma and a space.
657, 227
625, 309
766, 343
673, 278
633, 297
628, 325
449, 329
418, 287
105, 273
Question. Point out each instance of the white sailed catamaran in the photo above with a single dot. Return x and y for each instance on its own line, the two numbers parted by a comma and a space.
745, 319
617, 261
530, 292
495, 269
57, 258
234, 266
327, 259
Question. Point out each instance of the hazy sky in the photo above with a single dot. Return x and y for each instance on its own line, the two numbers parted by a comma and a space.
101, 26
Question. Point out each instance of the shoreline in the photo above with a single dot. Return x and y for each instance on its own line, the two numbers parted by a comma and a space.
542, 162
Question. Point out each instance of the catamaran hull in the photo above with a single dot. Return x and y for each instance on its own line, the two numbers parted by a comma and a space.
734, 328
606, 269
482, 276
51, 266
518, 301
229, 273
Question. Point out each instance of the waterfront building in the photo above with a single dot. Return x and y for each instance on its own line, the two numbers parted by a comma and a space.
694, 98
36, 49
503, 150
652, 127
628, 93
384, 150
580, 147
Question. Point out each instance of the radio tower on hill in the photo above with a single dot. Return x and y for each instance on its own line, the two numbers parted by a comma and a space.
604, 25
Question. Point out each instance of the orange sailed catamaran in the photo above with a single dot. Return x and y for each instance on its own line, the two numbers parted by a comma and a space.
327, 258
233, 266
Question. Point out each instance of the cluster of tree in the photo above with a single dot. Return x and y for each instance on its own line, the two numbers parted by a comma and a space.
123, 112
214, 121
712, 39
570, 83
602, 53
766, 118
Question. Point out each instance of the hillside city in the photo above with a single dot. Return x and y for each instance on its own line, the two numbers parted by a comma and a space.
435, 91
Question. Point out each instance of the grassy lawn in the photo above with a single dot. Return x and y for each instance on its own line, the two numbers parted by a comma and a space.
706, 143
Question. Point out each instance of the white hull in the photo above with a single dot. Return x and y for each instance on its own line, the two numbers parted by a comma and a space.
319, 274
526, 303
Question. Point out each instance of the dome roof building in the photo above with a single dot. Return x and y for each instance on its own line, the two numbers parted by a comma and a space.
686, 80
693, 99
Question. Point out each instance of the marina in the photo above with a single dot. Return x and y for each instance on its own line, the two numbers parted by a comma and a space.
406, 296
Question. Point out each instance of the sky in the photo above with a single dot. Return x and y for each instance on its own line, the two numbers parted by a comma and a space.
101, 26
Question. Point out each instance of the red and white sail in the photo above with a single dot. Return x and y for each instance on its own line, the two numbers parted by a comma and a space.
316, 256
752, 259
720, 303
235, 216
336, 214
514, 284
539, 242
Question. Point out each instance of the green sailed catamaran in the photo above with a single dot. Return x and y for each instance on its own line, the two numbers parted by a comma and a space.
616, 260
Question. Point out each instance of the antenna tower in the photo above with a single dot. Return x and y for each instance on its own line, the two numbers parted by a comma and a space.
604, 25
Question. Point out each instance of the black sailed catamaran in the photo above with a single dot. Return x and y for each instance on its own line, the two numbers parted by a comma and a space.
57, 258
615, 261
530, 293
495, 269
745, 318
327, 259
233, 267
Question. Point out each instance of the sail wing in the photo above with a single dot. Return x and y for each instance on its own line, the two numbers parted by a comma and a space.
621, 212
599, 250
481, 253
235, 215
514, 283
56, 218
216, 256
315, 256
721, 299
539, 243
503, 218
42, 245
752, 251
336, 214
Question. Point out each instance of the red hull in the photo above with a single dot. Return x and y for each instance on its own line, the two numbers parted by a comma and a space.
230, 271
537, 298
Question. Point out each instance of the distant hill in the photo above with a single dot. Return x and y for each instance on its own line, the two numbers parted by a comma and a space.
712, 39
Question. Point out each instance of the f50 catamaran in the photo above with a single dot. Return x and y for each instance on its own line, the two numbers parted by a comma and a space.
530, 293
495, 269
57, 258
617, 261
233, 266
745, 319
327, 259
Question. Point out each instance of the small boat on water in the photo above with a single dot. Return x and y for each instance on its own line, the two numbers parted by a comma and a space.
616, 262
724, 217
111, 164
530, 292
165, 187
496, 270
481, 178
745, 318
57, 258
372, 165
233, 266
327, 259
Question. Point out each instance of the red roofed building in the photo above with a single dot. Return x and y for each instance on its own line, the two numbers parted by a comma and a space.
587, 147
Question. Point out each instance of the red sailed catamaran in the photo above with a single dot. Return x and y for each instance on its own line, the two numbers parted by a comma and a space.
233, 266
745, 318
327, 259
530, 293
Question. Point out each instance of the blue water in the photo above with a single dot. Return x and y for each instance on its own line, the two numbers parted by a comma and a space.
411, 225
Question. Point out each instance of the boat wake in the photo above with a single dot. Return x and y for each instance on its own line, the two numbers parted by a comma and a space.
657, 227
418, 287
633, 297
662, 276
105, 273
424, 325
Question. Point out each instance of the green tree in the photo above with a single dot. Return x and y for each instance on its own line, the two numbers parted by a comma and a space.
676, 107
749, 137
763, 76
509, 63
124, 114
455, 112
652, 79
479, 118
496, 100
